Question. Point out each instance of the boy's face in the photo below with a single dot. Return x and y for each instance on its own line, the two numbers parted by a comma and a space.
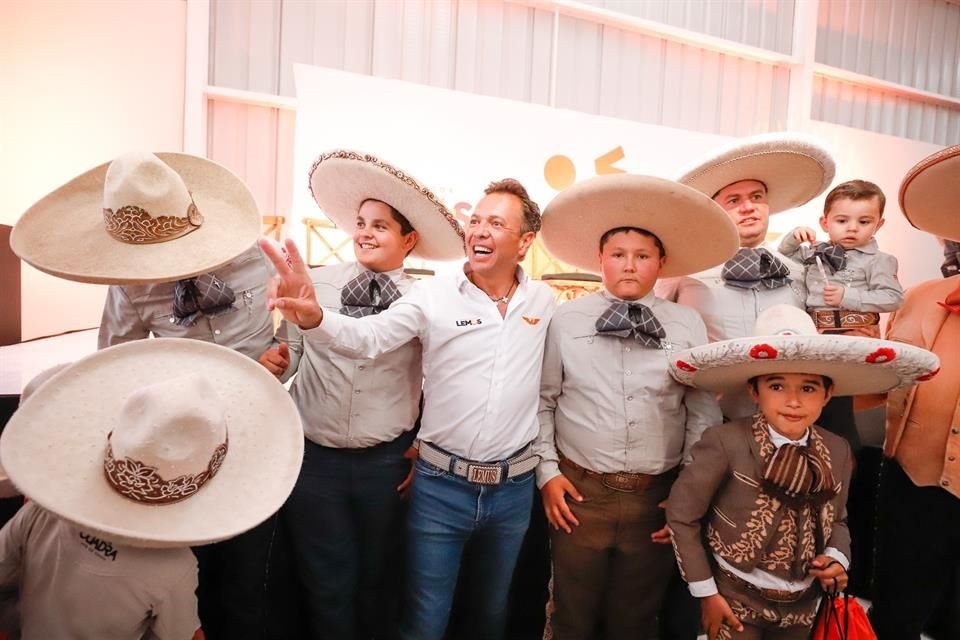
378, 243
746, 204
852, 223
630, 264
791, 402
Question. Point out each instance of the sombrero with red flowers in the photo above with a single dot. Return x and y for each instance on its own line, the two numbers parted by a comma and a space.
785, 340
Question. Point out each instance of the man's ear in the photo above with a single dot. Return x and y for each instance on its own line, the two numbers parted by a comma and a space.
526, 241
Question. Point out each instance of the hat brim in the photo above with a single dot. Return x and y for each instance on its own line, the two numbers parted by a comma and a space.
795, 168
696, 233
53, 447
856, 365
341, 180
930, 194
64, 235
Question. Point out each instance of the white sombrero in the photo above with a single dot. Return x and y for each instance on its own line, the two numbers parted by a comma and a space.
204, 443
140, 219
796, 168
340, 181
7, 489
785, 340
696, 233
930, 194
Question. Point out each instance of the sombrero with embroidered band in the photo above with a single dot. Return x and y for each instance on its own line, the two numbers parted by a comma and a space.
795, 168
158, 443
696, 233
342, 179
140, 219
785, 340
930, 194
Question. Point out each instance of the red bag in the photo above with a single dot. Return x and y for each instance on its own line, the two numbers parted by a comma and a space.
840, 617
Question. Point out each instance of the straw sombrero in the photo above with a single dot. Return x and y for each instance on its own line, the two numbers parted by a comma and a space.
785, 340
696, 233
204, 443
340, 180
140, 219
796, 168
930, 194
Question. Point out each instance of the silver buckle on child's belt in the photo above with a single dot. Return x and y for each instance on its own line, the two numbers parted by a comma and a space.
481, 472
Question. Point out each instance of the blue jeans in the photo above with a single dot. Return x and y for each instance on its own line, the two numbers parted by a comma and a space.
344, 520
453, 522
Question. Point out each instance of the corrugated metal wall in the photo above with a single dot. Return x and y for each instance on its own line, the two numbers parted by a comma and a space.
911, 42
759, 23
505, 49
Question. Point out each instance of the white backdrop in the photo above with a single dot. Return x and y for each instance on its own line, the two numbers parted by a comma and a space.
456, 143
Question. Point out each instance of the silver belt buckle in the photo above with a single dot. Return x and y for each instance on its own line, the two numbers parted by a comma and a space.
484, 473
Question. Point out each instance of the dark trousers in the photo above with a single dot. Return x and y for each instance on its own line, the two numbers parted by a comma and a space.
918, 552
609, 577
234, 596
344, 524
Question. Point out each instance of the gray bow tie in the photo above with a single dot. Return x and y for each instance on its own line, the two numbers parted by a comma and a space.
368, 294
832, 255
632, 319
203, 295
752, 268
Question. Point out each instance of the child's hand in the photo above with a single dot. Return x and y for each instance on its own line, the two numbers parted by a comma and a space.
830, 573
715, 611
555, 503
832, 294
804, 234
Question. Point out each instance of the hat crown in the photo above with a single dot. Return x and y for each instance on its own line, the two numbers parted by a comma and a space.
140, 179
784, 320
174, 426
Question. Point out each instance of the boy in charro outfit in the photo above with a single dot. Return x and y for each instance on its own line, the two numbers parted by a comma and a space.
614, 426
848, 280
759, 515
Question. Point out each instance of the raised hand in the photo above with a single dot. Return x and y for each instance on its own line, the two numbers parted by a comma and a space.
291, 291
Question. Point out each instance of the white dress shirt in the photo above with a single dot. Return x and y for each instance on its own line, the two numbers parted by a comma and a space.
481, 371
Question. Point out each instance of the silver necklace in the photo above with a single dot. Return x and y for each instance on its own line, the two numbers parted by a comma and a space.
505, 298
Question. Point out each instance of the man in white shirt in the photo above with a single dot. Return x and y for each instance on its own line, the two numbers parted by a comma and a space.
482, 331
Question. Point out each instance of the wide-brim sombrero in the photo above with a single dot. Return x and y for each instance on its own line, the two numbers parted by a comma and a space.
696, 233
930, 194
341, 180
786, 342
64, 234
53, 447
795, 168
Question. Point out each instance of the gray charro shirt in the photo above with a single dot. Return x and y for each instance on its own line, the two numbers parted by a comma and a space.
608, 403
349, 402
869, 277
133, 312
729, 312
77, 584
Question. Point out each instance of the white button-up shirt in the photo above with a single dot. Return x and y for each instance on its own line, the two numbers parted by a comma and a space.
481, 371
